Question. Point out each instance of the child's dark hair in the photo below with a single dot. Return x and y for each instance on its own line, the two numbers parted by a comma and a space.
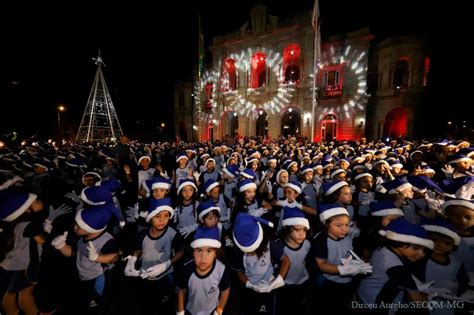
332, 198
443, 237
193, 202
215, 212
328, 221
263, 247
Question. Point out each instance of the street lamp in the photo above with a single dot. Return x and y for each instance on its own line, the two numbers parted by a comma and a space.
61, 108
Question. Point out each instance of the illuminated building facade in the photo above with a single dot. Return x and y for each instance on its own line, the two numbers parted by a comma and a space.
260, 83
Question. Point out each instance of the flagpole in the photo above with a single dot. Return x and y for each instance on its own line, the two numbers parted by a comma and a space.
316, 56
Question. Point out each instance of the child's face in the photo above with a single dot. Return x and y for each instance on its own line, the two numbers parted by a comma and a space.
283, 178
298, 234
407, 193
187, 192
211, 219
210, 166
204, 258
389, 218
159, 193
36, 206
214, 193
443, 245
290, 194
145, 163
294, 168
160, 221
233, 161
366, 182
308, 176
182, 163
79, 231
318, 171
272, 164
340, 176
249, 194
88, 181
346, 196
461, 217
396, 170
463, 165
339, 226
254, 165
413, 252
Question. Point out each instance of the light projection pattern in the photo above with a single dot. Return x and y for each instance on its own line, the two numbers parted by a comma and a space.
355, 66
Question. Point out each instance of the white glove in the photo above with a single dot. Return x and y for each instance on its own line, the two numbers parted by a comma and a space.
143, 214
73, 196
156, 270
122, 224
471, 279
93, 255
281, 203
369, 197
180, 313
53, 214
468, 296
350, 268
130, 270
131, 214
448, 171
354, 231
229, 243
353, 188
278, 282
185, 231
224, 219
258, 213
59, 241
216, 313
261, 288
433, 201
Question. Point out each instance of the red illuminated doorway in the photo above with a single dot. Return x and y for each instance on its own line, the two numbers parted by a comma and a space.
329, 127
396, 123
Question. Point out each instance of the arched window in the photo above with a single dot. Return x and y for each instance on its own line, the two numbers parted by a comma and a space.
229, 78
291, 64
258, 75
401, 74
396, 123
291, 123
209, 89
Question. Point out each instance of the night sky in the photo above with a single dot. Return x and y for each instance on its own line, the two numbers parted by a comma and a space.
47, 57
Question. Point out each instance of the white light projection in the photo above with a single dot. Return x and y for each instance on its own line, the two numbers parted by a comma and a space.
356, 63
272, 101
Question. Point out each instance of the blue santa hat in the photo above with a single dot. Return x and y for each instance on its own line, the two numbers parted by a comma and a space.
305, 169
158, 205
206, 237
209, 160
272, 158
248, 232
421, 183
96, 195
94, 219
246, 184
290, 164
380, 162
277, 176
395, 185
96, 176
395, 163
458, 202
181, 156
209, 185
456, 158
183, 182
75, 163
248, 173
336, 172
144, 157
13, 204
362, 175
401, 230
441, 226
113, 185
294, 216
157, 183
383, 208
331, 187
231, 170
296, 186
461, 187
330, 210
205, 207
250, 160
47, 165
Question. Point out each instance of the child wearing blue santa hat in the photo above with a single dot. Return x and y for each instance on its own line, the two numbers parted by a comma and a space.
186, 208
212, 191
294, 297
392, 279
332, 250
19, 241
158, 248
96, 250
203, 286
253, 262
249, 202
442, 268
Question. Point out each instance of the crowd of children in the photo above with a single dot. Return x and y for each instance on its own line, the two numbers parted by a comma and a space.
282, 227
